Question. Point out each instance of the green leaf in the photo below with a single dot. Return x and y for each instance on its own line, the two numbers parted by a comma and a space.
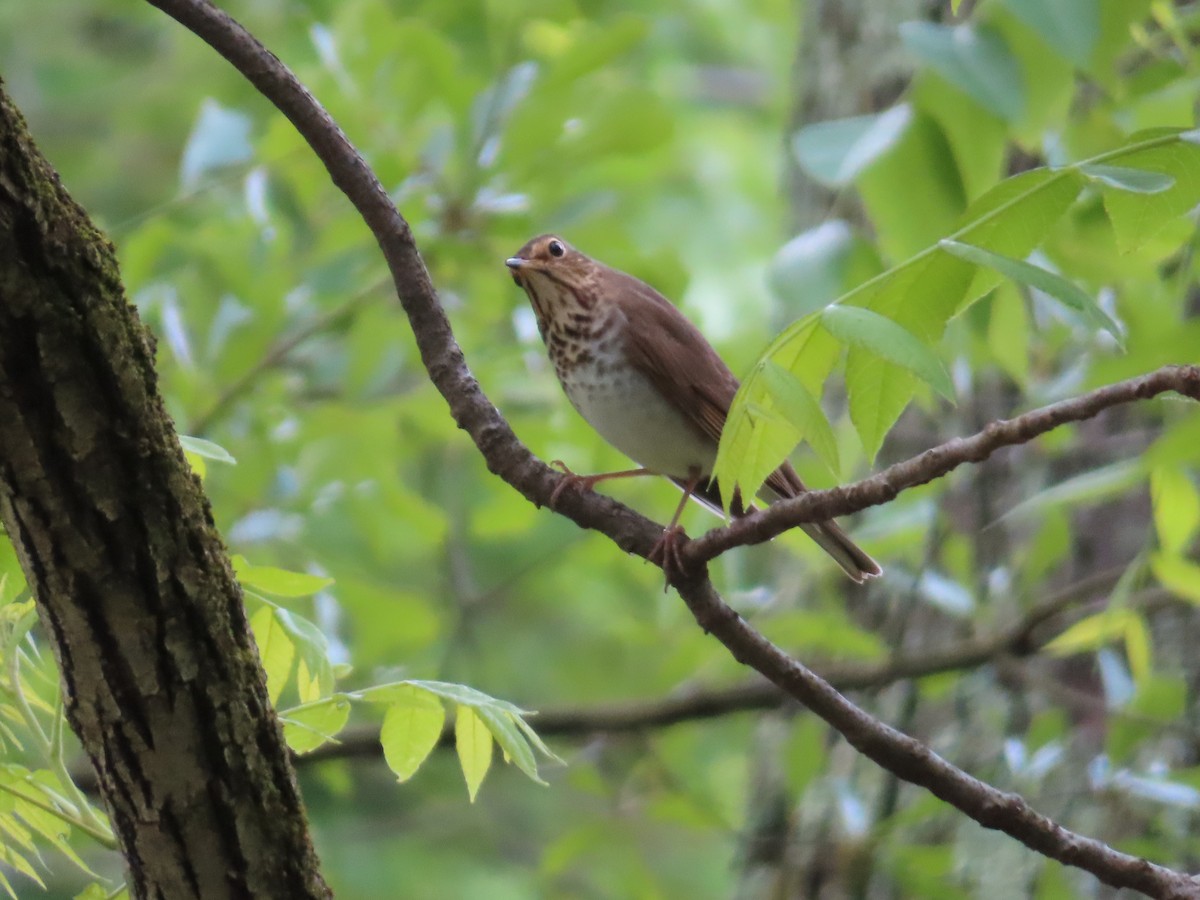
835, 152
275, 650
474, 744
802, 410
755, 440
509, 736
1137, 646
313, 649
278, 582
1089, 487
1068, 293
1137, 181
313, 724
921, 294
1008, 332
1176, 508
1093, 632
1136, 217
206, 449
890, 341
912, 194
1179, 576
1157, 700
466, 696
1069, 27
412, 727
974, 60
220, 137
813, 267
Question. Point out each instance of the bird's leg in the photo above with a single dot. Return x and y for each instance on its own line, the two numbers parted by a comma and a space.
571, 481
665, 551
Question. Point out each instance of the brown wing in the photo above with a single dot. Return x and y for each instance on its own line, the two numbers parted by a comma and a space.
688, 372
679, 362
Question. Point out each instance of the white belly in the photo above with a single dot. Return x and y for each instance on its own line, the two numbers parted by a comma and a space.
632, 416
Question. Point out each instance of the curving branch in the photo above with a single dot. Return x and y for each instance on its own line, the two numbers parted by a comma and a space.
507, 457
815, 506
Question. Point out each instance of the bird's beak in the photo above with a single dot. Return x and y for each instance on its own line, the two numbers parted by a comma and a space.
514, 264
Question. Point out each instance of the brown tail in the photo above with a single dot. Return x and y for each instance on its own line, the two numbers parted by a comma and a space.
829, 536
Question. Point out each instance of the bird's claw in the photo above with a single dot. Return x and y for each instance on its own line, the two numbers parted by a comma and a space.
569, 481
666, 553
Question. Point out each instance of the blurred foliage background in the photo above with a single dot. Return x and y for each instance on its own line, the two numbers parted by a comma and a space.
675, 141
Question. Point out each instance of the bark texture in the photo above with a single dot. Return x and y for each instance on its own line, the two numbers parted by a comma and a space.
160, 675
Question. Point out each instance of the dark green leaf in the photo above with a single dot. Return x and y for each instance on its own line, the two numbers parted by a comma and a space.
1070, 27
974, 60
1137, 181
1054, 285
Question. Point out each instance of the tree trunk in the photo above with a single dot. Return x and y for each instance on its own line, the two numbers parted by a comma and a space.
160, 675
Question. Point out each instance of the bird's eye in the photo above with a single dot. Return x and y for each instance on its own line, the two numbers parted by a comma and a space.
557, 249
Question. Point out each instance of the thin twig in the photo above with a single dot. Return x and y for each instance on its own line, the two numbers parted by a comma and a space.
278, 353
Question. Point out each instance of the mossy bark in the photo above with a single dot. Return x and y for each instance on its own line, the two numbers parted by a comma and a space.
160, 675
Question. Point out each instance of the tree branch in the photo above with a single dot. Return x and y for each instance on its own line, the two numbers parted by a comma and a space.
507, 457
1017, 640
277, 353
816, 506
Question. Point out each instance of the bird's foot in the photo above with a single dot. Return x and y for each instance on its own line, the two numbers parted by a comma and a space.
571, 482
666, 553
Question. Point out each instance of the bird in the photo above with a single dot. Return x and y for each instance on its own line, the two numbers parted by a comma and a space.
645, 378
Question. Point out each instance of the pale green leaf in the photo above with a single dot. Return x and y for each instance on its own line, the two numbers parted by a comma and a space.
278, 582
885, 338
1009, 331
412, 727
313, 724
275, 650
1176, 507
836, 151
1179, 576
1137, 647
197, 463
1136, 217
802, 410
310, 687
206, 449
313, 650
473, 742
1093, 632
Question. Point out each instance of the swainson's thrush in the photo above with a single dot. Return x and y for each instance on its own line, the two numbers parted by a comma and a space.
646, 379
